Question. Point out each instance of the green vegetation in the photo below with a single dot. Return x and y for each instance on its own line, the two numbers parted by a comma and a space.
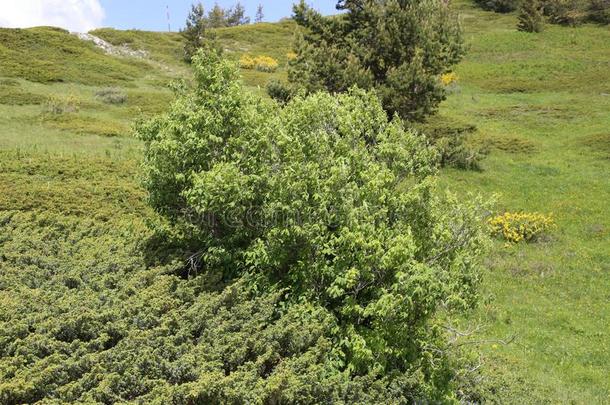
530, 16
195, 32
48, 54
111, 95
309, 200
94, 309
565, 12
499, 6
400, 49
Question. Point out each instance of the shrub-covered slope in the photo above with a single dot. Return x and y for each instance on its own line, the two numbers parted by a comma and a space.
89, 311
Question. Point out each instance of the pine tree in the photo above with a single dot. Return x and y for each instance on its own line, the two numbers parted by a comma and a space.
398, 47
194, 33
217, 17
259, 14
237, 16
530, 16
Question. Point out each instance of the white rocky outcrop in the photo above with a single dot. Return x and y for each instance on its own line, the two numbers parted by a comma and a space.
120, 50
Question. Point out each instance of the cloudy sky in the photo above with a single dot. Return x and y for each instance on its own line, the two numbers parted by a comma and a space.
84, 15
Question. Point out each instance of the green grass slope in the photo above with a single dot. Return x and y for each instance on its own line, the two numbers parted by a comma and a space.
79, 291
46, 54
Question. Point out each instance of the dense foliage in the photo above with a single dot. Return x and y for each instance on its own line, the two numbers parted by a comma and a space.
399, 48
327, 201
530, 16
499, 6
195, 31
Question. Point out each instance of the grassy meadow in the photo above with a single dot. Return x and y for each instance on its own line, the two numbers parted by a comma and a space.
73, 215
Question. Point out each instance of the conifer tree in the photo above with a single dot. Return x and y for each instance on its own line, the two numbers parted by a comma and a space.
194, 33
217, 17
237, 16
398, 47
259, 14
530, 16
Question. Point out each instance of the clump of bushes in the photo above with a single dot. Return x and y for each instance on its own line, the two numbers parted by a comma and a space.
111, 95
307, 200
59, 104
517, 227
261, 63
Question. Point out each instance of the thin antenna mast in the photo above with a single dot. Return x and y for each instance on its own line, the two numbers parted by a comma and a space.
169, 27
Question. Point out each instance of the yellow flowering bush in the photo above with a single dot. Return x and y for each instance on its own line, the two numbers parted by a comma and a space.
265, 64
520, 226
291, 56
262, 63
246, 62
449, 78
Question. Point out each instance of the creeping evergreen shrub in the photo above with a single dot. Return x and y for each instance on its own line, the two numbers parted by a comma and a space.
329, 201
111, 95
57, 105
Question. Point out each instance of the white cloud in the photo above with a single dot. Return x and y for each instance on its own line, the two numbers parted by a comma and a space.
74, 15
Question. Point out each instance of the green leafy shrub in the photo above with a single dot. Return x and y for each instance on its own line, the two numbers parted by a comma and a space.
398, 48
111, 95
329, 201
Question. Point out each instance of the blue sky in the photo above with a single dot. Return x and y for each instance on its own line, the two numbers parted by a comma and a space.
84, 15
150, 14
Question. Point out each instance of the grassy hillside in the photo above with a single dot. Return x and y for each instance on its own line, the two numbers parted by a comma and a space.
73, 239
543, 101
